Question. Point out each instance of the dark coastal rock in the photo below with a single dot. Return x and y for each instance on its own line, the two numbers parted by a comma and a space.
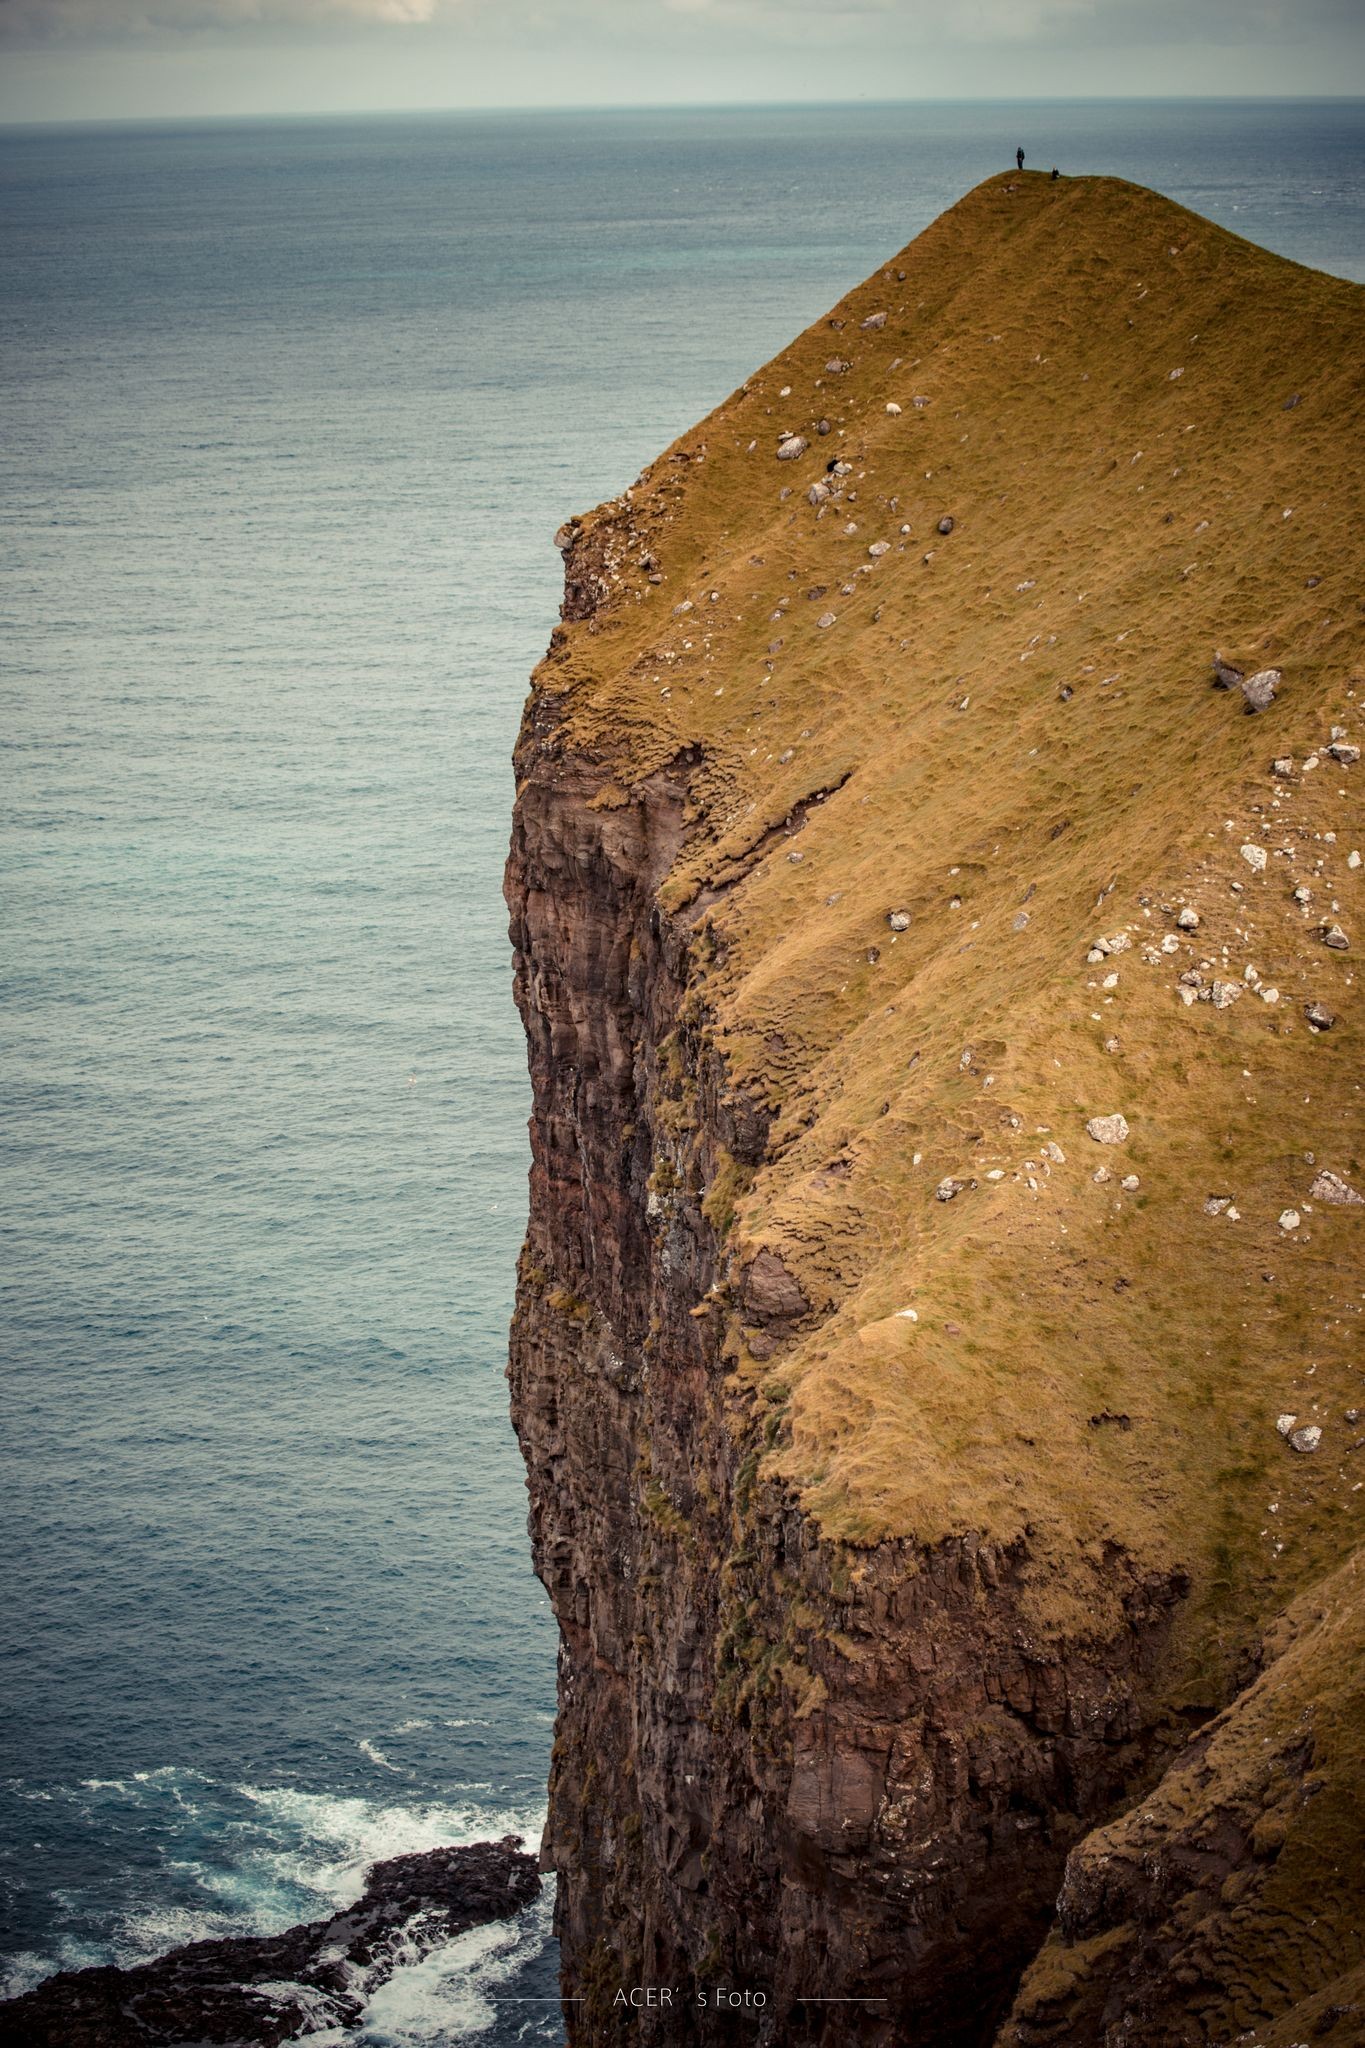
257, 1992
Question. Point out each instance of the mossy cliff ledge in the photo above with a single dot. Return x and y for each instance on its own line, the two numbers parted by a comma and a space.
937, 1351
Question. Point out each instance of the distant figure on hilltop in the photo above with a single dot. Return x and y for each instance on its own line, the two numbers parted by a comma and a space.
1055, 172
1019, 158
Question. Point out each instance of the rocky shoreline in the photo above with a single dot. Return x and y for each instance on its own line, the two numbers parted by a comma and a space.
258, 1992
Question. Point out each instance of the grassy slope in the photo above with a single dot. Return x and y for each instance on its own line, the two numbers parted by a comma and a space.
1228, 1900
1114, 523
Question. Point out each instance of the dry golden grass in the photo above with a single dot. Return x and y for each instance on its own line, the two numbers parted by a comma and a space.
1114, 524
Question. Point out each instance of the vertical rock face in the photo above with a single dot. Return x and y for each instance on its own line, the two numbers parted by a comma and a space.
778, 1773
898, 1545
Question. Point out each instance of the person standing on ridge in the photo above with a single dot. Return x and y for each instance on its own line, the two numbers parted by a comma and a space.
1019, 158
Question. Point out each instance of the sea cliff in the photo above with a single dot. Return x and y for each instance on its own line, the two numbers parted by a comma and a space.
935, 894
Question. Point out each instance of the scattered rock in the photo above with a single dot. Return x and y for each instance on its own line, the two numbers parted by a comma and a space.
899, 920
836, 366
879, 548
1224, 994
790, 447
1214, 1205
1336, 938
1283, 766
1053, 1151
875, 320
948, 1188
1188, 920
771, 1294
827, 619
1108, 1130
893, 408
946, 524
1255, 857
1225, 675
1342, 751
1319, 1016
1259, 690
1290, 1219
1330, 1187
1306, 1439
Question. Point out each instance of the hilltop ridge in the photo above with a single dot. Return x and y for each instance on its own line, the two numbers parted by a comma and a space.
983, 1055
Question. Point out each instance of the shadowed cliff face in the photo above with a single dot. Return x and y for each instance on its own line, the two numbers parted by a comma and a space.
898, 1472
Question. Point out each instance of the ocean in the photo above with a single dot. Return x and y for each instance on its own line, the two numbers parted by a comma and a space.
291, 413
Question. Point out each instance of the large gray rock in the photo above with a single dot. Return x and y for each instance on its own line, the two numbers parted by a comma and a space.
1330, 1187
1108, 1130
1259, 690
790, 447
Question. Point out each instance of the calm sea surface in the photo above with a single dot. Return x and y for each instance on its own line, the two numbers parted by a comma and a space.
290, 413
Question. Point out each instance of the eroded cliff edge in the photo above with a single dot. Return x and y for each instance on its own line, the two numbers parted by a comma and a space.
903, 1458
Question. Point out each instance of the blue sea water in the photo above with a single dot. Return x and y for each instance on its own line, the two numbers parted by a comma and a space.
291, 412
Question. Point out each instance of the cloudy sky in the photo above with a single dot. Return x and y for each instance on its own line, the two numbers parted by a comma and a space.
112, 58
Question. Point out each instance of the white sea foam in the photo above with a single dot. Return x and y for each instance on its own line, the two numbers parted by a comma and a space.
23, 1971
376, 1756
440, 1996
325, 1844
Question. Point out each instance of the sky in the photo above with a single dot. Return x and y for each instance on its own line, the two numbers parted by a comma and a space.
113, 59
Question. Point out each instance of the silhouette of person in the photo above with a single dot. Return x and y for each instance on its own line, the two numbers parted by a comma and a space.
1019, 158
1055, 172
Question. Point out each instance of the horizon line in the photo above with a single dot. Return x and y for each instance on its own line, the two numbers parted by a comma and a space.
359, 113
